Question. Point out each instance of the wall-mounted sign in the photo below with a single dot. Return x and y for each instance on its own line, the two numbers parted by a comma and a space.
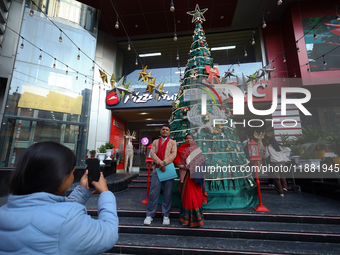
112, 98
142, 99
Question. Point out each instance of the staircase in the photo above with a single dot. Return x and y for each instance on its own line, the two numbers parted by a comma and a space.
228, 233
141, 182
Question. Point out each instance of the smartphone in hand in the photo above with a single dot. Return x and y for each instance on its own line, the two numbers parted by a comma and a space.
94, 170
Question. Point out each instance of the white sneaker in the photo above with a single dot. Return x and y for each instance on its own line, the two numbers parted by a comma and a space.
282, 195
284, 189
147, 220
166, 220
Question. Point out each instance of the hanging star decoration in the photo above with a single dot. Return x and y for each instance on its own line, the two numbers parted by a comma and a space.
151, 86
255, 76
103, 76
197, 14
228, 74
143, 74
159, 91
122, 89
148, 77
243, 82
112, 81
267, 70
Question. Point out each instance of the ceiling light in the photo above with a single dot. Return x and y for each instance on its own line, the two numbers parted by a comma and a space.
143, 113
223, 48
150, 54
172, 7
150, 125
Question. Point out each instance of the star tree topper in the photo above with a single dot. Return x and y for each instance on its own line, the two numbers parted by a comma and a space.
197, 14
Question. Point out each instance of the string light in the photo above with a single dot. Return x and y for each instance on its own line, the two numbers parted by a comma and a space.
31, 13
60, 37
315, 36
177, 57
284, 59
78, 57
175, 37
253, 39
245, 52
66, 69
284, 78
54, 62
92, 66
274, 67
136, 63
117, 23
233, 70
279, 2
238, 64
85, 79
172, 6
22, 43
40, 56
77, 76
324, 62
294, 74
129, 47
264, 25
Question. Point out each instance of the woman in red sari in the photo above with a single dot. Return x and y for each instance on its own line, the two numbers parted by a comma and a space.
192, 187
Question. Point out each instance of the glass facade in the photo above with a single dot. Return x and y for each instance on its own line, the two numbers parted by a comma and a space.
47, 102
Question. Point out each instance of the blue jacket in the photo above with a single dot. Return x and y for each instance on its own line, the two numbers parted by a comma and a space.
43, 223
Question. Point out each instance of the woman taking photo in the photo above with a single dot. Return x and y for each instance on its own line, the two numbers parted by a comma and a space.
192, 187
38, 219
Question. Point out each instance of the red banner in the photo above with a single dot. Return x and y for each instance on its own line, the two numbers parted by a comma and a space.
118, 128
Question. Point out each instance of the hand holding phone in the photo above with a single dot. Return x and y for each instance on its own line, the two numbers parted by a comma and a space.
93, 170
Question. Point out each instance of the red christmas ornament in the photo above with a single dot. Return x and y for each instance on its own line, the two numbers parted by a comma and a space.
201, 28
215, 149
201, 43
204, 54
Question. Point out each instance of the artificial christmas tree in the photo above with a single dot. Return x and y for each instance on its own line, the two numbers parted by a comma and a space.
226, 184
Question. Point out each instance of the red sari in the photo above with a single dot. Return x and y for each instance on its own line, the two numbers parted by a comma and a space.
193, 194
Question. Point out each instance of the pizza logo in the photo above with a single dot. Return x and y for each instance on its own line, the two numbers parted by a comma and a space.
112, 98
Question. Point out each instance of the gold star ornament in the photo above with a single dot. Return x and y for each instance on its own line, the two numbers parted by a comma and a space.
103, 76
151, 86
143, 74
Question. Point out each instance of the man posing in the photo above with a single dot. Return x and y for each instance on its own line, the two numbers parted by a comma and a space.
163, 152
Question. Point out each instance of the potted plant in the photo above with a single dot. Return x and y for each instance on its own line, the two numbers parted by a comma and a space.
313, 139
93, 153
101, 154
109, 149
296, 150
309, 157
334, 144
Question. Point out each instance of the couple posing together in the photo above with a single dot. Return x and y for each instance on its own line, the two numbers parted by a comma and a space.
192, 188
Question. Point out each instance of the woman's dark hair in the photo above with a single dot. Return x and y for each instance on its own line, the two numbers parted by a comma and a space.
274, 143
42, 168
187, 135
166, 125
